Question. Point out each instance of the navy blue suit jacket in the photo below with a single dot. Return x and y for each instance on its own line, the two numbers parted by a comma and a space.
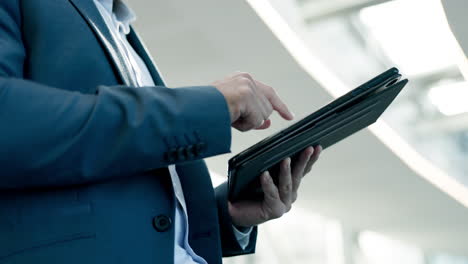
84, 155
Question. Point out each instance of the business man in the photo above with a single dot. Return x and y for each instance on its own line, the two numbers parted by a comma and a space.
101, 163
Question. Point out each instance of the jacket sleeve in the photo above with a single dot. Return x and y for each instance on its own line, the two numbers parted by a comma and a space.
53, 137
229, 243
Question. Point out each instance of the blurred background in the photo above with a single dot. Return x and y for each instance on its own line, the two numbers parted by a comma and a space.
394, 193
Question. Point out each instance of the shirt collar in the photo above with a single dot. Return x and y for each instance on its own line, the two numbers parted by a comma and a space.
123, 14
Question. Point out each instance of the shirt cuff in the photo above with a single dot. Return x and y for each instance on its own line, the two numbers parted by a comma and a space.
242, 237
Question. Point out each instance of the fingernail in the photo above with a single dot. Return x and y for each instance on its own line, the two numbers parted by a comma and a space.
288, 163
311, 152
266, 177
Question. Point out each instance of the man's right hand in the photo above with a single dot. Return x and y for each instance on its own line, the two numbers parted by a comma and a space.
250, 102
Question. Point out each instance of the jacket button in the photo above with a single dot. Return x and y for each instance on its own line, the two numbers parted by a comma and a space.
162, 223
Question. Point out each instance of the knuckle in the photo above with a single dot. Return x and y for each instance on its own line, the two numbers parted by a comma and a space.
254, 120
245, 88
245, 81
243, 95
277, 213
283, 210
294, 198
246, 75
264, 216
272, 196
286, 188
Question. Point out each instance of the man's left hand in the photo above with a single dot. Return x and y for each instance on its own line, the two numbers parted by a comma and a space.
277, 200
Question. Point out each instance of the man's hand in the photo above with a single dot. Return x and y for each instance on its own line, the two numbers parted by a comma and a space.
277, 200
250, 102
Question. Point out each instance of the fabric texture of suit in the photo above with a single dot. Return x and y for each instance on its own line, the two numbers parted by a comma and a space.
84, 154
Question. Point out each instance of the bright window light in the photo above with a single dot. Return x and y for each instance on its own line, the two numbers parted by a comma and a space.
377, 248
413, 33
334, 242
327, 79
450, 99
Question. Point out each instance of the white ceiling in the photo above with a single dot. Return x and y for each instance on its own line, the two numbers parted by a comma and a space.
359, 181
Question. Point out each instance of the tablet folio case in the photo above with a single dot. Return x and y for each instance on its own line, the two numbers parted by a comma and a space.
345, 116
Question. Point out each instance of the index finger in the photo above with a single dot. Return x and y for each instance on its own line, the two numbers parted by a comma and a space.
276, 102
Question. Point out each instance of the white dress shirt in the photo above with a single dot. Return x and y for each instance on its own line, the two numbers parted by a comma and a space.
118, 17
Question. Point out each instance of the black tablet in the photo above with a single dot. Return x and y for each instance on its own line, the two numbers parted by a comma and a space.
341, 118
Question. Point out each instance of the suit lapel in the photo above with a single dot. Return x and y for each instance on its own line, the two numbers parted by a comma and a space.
95, 21
142, 51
